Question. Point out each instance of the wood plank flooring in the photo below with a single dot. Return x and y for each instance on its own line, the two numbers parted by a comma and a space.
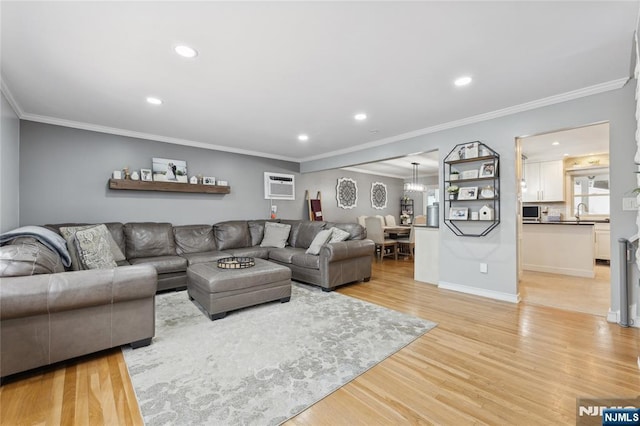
487, 362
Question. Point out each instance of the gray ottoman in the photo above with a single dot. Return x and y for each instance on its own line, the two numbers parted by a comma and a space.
219, 291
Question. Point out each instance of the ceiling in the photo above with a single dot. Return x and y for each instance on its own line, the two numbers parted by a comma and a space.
268, 71
577, 142
402, 168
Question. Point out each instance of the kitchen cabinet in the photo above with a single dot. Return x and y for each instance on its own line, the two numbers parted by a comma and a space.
603, 241
545, 181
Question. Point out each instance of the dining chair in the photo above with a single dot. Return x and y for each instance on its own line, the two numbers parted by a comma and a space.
420, 220
376, 234
407, 246
361, 221
390, 220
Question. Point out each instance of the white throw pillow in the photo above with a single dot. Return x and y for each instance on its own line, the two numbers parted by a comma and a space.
275, 235
320, 239
338, 235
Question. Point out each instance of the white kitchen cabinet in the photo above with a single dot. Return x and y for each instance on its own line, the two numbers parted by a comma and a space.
545, 181
603, 241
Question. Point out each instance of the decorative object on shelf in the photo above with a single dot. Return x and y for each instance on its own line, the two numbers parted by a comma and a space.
458, 213
471, 150
193, 180
414, 185
454, 175
223, 183
488, 192
167, 170
486, 212
208, 180
488, 169
126, 173
146, 175
117, 174
468, 193
347, 193
475, 162
236, 262
135, 175
378, 195
405, 218
469, 174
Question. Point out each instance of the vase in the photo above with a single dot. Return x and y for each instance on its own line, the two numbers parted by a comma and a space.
453, 196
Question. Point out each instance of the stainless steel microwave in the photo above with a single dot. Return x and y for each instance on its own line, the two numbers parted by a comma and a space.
531, 213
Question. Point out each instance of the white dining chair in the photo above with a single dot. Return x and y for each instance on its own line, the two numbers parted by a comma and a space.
375, 233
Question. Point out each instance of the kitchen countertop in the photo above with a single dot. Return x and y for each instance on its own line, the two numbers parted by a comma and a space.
567, 222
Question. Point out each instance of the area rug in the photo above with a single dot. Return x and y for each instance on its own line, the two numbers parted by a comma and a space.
260, 365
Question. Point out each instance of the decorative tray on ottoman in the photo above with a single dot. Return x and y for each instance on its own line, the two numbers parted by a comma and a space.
236, 262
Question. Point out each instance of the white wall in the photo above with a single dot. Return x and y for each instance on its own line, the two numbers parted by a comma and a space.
461, 256
9, 166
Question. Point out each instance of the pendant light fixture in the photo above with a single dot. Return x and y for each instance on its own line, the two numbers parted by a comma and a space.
414, 186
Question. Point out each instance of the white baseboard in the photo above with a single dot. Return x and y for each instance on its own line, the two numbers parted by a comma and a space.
584, 273
613, 316
498, 295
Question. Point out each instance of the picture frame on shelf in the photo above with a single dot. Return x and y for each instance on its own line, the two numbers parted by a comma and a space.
146, 175
469, 174
168, 170
468, 193
488, 169
458, 213
471, 150
208, 180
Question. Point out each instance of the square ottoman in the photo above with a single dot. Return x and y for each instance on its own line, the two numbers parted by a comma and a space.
219, 291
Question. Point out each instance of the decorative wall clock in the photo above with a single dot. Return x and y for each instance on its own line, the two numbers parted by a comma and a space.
347, 193
378, 195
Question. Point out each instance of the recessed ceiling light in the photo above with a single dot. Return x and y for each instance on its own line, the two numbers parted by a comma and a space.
360, 116
186, 51
462, 81
592, 153
303, 138
154, 101
555, 143
566, 154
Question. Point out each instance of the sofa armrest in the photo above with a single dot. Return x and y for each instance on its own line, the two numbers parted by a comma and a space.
49, 293
346, 250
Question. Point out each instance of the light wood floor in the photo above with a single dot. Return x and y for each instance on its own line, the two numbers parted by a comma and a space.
487, 362
588, 295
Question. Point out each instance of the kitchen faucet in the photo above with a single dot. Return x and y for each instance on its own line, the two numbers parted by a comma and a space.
586, 210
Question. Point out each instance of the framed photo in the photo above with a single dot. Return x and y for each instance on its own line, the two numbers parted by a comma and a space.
469, 174
208, 180
471, 150
167, 170
145, 174
468, 193
488, 169
458, 213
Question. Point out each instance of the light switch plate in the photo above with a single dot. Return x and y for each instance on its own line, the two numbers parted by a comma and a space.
630, 203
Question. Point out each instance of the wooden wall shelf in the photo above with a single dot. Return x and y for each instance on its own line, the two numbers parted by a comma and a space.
139, 185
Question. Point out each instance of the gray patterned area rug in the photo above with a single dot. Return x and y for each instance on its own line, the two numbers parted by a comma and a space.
260, 365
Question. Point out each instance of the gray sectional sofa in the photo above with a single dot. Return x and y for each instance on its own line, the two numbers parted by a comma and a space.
49, 314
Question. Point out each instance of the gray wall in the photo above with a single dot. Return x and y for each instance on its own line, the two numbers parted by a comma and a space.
9, 167
64, 174
326, 182
460, 256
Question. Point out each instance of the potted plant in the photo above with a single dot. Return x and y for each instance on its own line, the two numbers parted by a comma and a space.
454, 175
453, 191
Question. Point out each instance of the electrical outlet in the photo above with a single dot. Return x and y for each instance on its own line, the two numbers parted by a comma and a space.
274, 209
630, 203
484, 268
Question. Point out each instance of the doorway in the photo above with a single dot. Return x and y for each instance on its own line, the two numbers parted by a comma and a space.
563, 219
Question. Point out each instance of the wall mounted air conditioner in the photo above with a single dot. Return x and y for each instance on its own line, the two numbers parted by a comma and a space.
278, 186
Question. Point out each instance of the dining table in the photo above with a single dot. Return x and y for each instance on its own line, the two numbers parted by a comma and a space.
397, 230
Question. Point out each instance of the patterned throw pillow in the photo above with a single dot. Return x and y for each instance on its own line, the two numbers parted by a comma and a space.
320, 239
94, 251
275, 234
338, 235
69, 234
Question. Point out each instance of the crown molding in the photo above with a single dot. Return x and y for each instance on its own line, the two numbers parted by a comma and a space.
551, 100
9, 96
149, 136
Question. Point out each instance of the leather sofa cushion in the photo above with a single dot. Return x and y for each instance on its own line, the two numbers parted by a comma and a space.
256, 230
285, 255
306, 260
256, 251
194, 238
163, 264
355, 230
149, 239
232, 234
293, 234
205, 256
27, 256
307, 231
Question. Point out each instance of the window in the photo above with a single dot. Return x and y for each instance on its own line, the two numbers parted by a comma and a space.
593, 192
